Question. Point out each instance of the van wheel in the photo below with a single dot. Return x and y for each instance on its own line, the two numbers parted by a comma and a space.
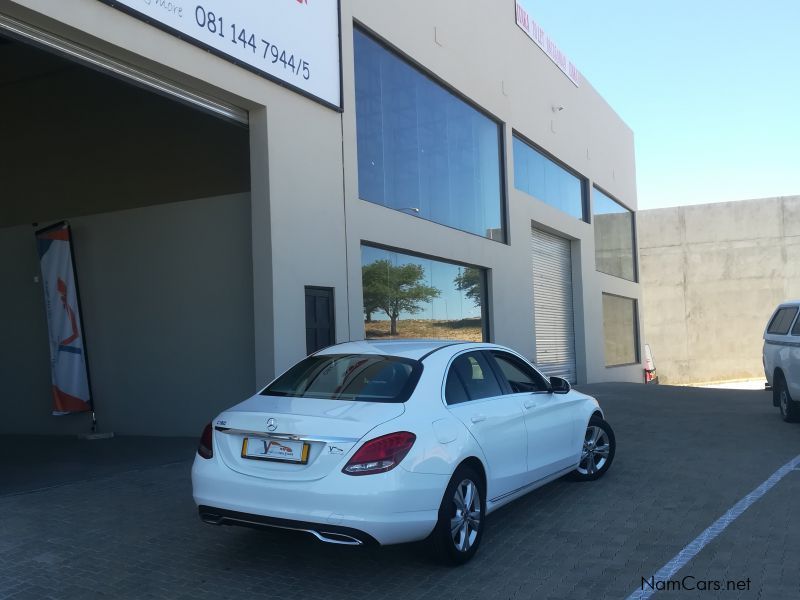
790, 412
462, 513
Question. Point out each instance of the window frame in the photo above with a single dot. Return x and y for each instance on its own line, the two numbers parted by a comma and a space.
585, 205
636, 335
485, 327
423, 71
634, 237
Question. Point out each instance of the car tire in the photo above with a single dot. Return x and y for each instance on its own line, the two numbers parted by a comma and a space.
597, 452
459, 529
790, 411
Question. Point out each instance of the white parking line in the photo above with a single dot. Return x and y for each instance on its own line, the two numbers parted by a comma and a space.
693, 548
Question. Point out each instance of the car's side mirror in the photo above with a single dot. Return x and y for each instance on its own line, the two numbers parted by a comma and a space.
559, 385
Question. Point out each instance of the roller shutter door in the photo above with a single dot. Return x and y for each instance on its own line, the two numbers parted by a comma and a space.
552, 304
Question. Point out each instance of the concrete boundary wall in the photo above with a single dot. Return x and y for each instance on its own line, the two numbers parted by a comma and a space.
711, 276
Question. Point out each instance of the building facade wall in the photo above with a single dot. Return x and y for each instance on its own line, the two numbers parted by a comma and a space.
142, 272
307, 220
712, 275
521, 93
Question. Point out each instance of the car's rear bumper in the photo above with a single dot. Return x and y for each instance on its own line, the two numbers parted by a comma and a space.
387, 508
324, 532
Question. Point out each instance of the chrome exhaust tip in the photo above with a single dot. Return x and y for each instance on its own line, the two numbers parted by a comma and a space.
335, 538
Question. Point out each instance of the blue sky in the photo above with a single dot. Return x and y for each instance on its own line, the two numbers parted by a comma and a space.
711, 90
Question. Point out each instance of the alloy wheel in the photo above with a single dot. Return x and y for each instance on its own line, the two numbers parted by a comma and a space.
466, 521
595, 451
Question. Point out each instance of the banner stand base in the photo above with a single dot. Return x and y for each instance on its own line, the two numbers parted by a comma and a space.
96, 436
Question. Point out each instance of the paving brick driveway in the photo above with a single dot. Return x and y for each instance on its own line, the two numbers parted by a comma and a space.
116, 525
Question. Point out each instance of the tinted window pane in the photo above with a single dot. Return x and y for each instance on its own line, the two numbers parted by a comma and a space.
476, 376
796, 328
421, 149
619, 330
410, 297
782, 321
613, 237
361, 377
454, 391
537, 175
520, 377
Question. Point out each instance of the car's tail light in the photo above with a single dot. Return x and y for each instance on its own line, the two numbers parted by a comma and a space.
381, 454
206, 448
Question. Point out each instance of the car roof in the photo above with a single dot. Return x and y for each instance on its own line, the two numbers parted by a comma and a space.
405, 348
789, 303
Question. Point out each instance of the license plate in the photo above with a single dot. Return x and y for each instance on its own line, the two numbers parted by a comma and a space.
280, 450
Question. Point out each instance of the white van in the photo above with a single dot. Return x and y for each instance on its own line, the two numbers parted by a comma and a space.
782, 359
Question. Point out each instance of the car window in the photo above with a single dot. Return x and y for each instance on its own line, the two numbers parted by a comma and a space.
360, 377
782, 321
476, 377
520, 376
454, 392
796, 328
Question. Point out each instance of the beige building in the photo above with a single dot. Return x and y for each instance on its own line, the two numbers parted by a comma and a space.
246, 183
712, 275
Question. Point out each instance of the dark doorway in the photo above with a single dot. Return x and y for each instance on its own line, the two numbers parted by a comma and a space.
320, 328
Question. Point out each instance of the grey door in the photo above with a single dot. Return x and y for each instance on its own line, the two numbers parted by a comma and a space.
554, 321
320, 326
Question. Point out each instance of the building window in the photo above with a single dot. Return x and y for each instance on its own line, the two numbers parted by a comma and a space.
411, 297
421, 149
546, 180
620, 330
613, 237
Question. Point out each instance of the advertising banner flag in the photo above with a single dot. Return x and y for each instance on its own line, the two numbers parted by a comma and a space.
68, 367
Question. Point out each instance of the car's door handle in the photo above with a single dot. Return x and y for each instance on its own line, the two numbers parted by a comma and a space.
478, 418
528, 404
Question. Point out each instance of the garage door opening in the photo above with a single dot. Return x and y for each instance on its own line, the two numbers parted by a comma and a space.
554, 318
157, 194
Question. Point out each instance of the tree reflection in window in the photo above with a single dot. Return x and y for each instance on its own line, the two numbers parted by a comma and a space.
411, 297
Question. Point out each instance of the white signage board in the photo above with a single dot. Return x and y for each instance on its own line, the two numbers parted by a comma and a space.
293, 42
541, 39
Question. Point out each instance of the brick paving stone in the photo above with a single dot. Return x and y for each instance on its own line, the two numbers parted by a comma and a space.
684, 457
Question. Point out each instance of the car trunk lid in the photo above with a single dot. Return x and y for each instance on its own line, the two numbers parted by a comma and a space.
295, 438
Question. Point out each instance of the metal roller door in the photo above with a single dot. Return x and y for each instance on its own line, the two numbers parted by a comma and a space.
552, 304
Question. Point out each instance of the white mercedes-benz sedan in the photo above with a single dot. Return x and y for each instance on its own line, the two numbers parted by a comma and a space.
383, 442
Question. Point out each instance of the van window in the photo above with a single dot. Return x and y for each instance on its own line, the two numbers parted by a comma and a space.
782, 321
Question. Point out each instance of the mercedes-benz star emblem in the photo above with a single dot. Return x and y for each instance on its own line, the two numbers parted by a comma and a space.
272, 424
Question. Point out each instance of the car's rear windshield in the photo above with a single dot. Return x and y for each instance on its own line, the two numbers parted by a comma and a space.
358, 377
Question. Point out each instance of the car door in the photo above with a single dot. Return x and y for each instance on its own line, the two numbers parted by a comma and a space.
551, 420
475, 397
